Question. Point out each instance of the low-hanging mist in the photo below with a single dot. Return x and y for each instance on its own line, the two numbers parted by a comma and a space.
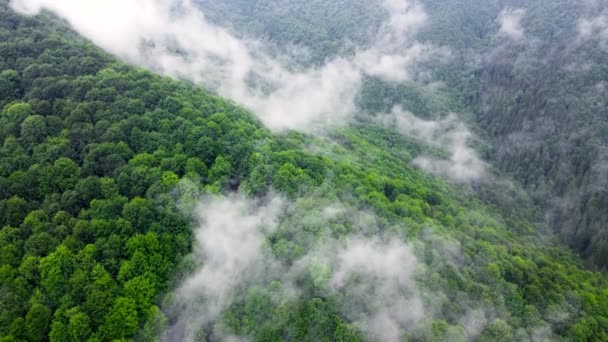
139, 207
510, 24
242, 245
272, 257
174, 38
463, 163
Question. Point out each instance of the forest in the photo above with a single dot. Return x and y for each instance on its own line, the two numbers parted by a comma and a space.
112, 177
547, 86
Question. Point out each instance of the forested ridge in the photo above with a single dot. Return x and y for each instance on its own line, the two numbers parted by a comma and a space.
324, 29
551, 90
547, 86
99, 160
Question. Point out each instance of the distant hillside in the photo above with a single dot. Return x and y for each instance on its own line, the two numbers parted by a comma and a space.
119, 190
537, 101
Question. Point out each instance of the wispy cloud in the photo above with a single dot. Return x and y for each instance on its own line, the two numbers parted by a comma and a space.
462, 165
510, 24
594, 29
387, 268
373, 275
174, 38
229, 246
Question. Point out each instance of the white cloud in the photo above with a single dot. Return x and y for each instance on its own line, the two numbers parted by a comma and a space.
594, 28
174, 38
387, 290
403, 16
510, 23
374, 277
229, 244
463, 164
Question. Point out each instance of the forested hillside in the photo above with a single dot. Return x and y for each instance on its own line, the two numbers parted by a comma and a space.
102, 169
540, 102
323, 29
537, 100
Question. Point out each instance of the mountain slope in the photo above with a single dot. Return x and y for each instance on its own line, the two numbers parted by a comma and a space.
101, 168
546, 84
537, 99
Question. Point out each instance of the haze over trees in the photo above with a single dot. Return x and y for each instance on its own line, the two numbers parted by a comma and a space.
138, 207
528, 72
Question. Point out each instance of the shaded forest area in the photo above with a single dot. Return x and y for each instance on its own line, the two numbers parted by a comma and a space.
538, 102
97, 156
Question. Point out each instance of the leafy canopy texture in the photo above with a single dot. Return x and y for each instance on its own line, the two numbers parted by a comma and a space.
102, 168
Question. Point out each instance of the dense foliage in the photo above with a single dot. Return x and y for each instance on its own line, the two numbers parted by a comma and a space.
323, 29
540, 104
92, 165
547, 87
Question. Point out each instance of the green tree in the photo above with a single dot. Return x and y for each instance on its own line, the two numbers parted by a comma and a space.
12, 117
79, 327
498, 330
33, 131
9, 85
121, 321
219, 173
37, 322
55, 270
